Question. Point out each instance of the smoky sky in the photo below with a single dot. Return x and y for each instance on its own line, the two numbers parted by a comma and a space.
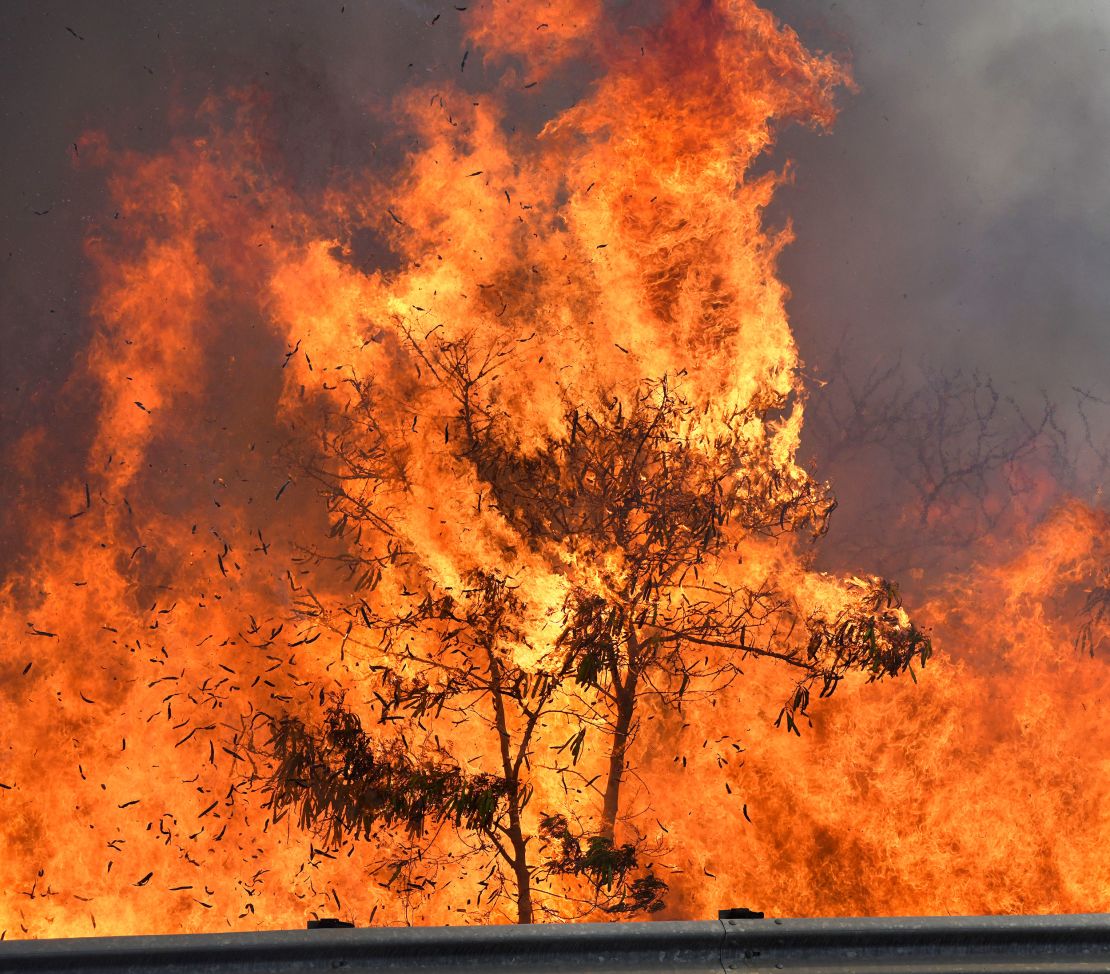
960, 210
956, 218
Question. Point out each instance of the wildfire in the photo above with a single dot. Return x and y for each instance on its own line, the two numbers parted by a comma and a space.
474, 579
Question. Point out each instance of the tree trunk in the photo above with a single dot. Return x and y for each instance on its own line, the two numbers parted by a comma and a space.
519, 860
622, 729
520, 870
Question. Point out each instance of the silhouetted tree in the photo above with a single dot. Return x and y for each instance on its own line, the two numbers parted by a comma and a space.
643, 507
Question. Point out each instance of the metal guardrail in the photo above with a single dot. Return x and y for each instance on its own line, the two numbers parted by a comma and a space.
977, 945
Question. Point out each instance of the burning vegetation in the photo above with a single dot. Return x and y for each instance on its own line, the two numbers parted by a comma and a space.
443, 554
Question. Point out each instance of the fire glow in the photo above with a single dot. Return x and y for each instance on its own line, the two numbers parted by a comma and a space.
519, 492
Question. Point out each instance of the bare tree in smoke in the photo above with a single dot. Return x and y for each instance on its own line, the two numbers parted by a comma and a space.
972, 471
643, 516
949, 459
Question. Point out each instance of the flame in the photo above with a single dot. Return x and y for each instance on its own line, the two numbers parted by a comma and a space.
618, 255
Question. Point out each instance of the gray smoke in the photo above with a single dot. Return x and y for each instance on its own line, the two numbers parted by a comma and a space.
960, 210
957, 219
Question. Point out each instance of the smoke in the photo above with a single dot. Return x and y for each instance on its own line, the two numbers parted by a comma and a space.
955, 211
952, 222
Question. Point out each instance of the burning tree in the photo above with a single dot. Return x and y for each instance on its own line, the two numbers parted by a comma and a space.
558, 462
347, 782
641, 509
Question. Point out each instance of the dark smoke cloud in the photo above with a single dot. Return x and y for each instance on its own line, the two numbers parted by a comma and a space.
959, 210
956, 219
